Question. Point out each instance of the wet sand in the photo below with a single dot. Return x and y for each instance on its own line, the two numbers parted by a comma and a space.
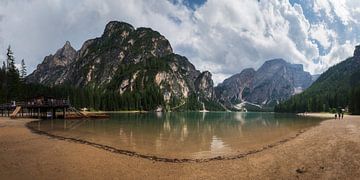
330, 150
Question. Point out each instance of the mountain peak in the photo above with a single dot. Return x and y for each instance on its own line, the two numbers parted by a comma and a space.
274, 81
67, 47
357, 51
273, 61
272, 65
67, 50
67, 44
53, 65
117, 27
248, 70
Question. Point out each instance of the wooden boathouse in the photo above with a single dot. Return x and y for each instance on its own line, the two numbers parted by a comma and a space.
39, 107
45, 107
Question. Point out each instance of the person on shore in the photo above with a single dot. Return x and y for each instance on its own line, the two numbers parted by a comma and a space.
342, 114
335, 116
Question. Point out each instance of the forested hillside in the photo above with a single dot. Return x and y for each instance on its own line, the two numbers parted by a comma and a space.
338, 87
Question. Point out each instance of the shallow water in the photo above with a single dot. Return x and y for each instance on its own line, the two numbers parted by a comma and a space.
183, 135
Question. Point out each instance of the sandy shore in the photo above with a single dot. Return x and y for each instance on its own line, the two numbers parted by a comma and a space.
328, 151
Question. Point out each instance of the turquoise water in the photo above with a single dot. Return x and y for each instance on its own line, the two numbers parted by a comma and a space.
183, 135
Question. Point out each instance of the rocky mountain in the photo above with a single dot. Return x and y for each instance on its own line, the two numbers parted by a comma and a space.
205, 86
53, 66
274, 81
127, 61
230, 92
339, 86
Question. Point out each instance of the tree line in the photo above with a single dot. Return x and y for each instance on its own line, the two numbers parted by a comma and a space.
14, 88
323, 100
11, 79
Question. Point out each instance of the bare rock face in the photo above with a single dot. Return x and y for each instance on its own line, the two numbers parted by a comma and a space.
53, 66
204, 85
277, 80
274, 81
231, 90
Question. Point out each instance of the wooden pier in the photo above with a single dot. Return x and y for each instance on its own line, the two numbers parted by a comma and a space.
44, 108
41, 107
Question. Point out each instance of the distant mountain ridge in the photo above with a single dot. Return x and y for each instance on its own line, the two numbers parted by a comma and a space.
53, 66
276, 80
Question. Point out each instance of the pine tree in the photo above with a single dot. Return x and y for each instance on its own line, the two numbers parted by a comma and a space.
3, 66
13, 78
23, 71
10, 60
3, 88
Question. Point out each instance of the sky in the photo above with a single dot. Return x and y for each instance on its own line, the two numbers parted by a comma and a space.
223, 37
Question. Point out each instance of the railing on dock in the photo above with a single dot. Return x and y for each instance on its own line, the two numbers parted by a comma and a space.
50, 103
45, 108
38, 107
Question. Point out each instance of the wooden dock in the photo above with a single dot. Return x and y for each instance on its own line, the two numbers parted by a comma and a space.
44, 108
36, 108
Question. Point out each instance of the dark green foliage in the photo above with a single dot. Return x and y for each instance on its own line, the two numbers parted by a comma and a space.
3, 85
338, 87
126, 71
246, 92
23, 70
147, 97
355, 100
192, 103
97, 99
213, 106
10, 84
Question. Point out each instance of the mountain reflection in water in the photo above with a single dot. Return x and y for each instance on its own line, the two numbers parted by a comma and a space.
183, 135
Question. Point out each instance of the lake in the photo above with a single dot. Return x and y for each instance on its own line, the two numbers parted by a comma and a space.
182, 134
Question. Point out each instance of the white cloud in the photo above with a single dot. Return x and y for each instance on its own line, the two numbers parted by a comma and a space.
338, 53
221, 36
344, 10
322, 34
241, 34
325, 6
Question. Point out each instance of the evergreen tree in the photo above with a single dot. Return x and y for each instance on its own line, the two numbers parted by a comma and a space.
3, 78
23, 71
3, 66
12, 76
10, 60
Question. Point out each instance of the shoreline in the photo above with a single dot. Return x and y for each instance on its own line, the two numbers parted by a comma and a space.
328, 150
160, 158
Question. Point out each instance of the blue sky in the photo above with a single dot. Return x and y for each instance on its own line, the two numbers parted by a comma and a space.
223, 37
194, 3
